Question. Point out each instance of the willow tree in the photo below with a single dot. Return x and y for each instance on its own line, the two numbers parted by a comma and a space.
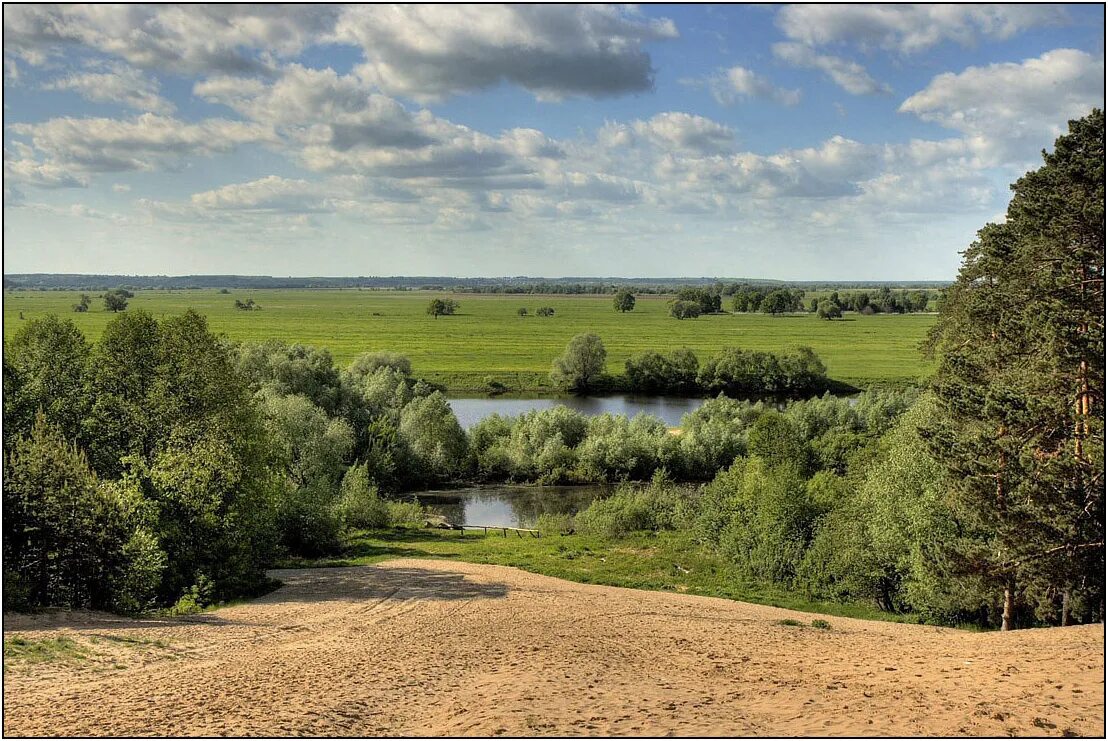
1020, 387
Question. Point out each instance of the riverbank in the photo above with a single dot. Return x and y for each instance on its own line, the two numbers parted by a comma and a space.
434, 648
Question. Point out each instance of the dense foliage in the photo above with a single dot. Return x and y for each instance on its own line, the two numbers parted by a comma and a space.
1020, 388
165, 464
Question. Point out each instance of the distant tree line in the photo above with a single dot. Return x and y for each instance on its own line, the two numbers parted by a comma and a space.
525, 285
732, 371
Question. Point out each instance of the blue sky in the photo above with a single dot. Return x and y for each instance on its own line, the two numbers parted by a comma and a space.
862, 142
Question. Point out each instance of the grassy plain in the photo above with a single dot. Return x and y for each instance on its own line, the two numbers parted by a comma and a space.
488, 339
664, 561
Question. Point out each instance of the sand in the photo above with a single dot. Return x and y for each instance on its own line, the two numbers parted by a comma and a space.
415, 647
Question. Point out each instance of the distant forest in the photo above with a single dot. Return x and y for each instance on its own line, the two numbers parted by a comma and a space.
517, 284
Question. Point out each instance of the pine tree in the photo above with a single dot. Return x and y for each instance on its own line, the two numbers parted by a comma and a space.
1020, 387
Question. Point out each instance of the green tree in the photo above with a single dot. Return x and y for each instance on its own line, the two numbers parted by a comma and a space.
121, 372
581, 365
434, 438
1020, 387
624, 301
44, 369
116, 300
779, 302
442, 307
64, 533
684, 309
828, 310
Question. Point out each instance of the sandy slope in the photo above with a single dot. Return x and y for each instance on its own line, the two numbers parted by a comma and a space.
431, 648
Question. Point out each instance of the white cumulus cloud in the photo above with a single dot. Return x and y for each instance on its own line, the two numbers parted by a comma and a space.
1013, 109
850, 76
908, 28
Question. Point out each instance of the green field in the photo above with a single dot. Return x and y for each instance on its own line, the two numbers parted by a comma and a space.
487, 339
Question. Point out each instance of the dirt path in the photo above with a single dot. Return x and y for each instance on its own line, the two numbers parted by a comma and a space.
420, 648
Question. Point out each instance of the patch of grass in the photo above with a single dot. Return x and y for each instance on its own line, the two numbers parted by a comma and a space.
32, 651
821, 624
487, 345
641, 561
791, 622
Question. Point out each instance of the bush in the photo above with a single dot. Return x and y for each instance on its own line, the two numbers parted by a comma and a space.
684, 310
552, 524
618, 448
769, 519
368, 363
406, 513
738, 372
136, 588
195, 598
633, 509
309, 523
654, 372
359, 505
494, 387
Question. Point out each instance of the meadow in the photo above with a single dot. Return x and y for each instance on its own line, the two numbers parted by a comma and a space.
487, 339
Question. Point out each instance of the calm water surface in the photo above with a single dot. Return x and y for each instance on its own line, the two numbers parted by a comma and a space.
669, 408
508, 506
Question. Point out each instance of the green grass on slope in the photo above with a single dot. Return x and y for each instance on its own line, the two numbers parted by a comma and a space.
32, 651
488, 339
666, 562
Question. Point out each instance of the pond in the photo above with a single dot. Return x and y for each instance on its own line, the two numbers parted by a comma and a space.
508, 506
670, 409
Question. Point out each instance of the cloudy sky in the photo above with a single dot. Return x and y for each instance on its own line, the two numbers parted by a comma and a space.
793, 142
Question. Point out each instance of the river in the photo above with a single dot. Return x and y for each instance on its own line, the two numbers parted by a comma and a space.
506, 505
670, 409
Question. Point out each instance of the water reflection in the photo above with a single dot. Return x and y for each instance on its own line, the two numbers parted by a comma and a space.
507, 506
669, 409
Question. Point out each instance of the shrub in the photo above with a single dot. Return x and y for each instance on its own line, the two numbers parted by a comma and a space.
655, 372
617, 448
552, 524
494, 387
195, 598
406, 513
684, 310
359, 505
309, 522
821, 624
368, 363
136, 588
633, 509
